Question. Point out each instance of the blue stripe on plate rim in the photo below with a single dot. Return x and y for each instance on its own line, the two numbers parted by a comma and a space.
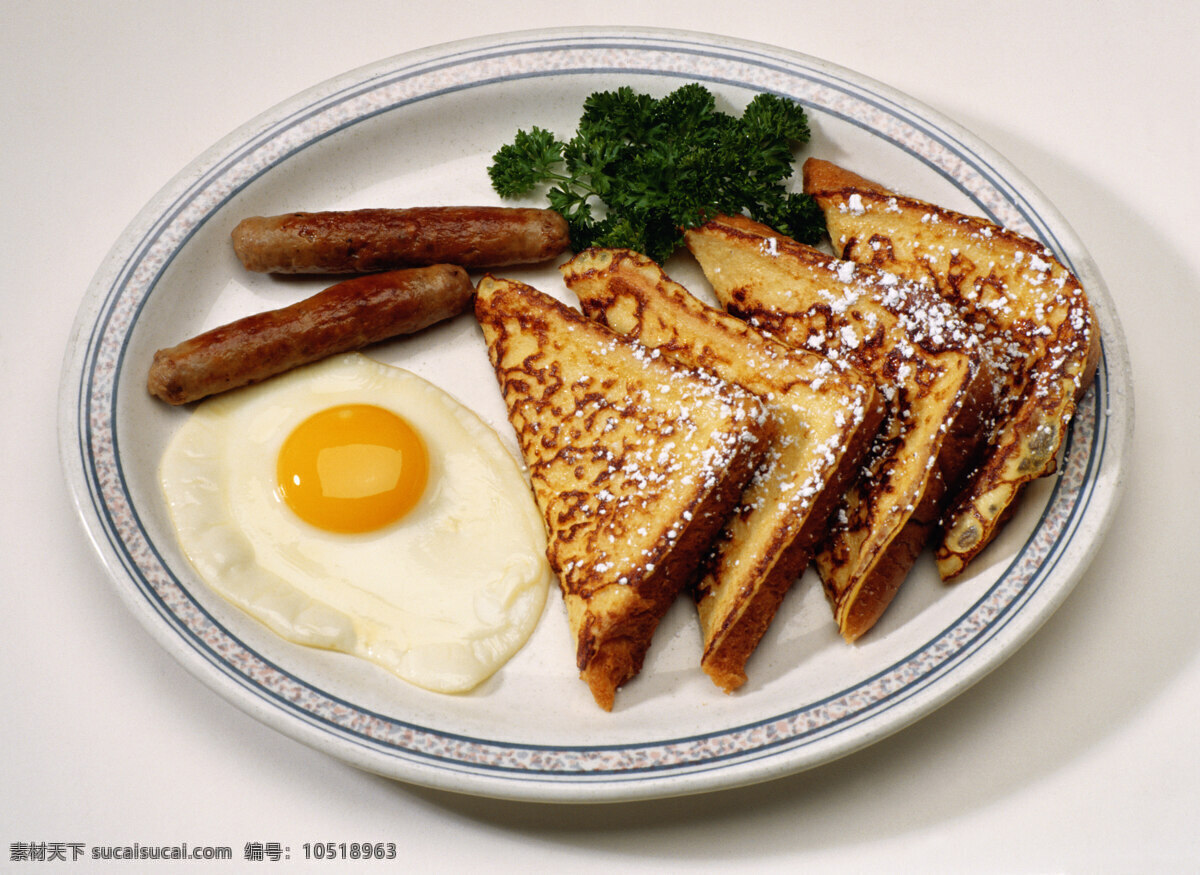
220, 174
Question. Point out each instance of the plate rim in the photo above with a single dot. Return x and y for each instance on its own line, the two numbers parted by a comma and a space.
1114, 406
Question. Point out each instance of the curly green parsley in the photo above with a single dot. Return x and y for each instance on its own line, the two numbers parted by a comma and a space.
640, 170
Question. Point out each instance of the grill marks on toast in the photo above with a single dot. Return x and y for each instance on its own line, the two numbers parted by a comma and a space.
928, 366
1030, 312
635, 462
826, 414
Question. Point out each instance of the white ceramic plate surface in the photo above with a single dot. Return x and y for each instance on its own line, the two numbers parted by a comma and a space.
420, 129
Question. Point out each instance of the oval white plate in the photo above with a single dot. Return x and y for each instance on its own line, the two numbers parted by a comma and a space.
420, 129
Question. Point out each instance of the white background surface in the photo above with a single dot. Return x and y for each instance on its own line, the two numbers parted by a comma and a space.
1079, 754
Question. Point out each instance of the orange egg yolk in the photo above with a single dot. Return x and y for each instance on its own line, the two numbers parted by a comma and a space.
353, 468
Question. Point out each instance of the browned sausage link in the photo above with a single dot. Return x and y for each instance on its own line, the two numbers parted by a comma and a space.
344, 317
362, 241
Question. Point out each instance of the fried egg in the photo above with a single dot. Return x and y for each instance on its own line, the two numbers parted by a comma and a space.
355, 506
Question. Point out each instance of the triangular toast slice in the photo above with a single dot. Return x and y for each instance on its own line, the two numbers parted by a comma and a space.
1030, 311
635, 463
927, 364
826, 415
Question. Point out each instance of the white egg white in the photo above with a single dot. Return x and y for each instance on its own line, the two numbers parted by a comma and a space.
442, 597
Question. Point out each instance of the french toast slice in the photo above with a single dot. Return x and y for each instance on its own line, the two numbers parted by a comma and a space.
634, 460
928, 366
826, 415
1030, 311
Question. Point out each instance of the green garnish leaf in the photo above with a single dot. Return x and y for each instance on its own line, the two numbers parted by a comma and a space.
640, 170
525, 162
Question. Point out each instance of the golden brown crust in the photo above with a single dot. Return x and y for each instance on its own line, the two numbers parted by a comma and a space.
921, 354
368, 240
731, 646
634, 462
826, 416
825, 176
342, 318
1030, 312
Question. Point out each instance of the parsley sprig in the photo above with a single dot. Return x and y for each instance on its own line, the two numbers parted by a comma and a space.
639, 170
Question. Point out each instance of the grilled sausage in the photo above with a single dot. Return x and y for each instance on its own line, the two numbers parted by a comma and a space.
344, 317
362, 241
